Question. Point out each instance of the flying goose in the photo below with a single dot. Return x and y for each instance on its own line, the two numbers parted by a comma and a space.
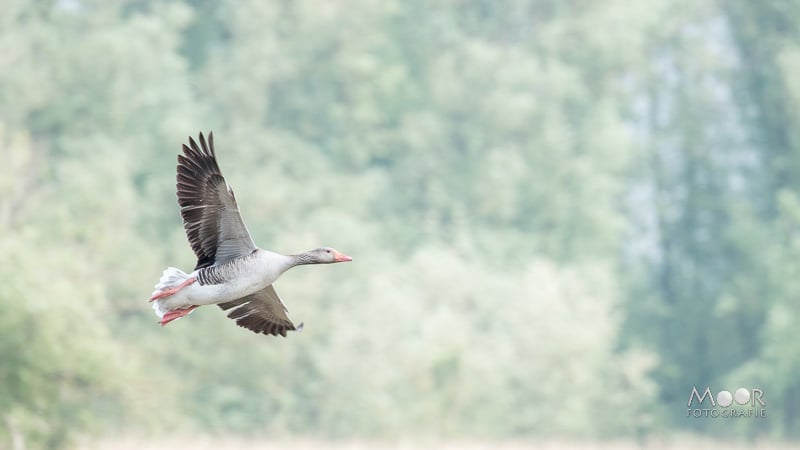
231, 270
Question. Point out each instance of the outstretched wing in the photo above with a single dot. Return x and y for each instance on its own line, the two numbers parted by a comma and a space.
262, 312
211, 217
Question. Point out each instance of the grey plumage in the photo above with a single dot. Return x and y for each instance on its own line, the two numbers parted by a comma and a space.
211, 218
262, 312
226, 271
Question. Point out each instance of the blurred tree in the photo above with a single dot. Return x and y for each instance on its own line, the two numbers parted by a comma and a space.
682, 205
78, 123
712, 260
767, 39
59, 366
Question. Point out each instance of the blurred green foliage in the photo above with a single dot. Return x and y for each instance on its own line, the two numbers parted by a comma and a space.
563, 215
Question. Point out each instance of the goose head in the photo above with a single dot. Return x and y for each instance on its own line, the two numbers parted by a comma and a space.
322, 255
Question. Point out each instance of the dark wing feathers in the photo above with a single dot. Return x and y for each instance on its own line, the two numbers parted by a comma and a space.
210, 214
262, 312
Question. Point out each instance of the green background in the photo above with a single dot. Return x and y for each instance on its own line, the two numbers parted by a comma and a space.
563, 216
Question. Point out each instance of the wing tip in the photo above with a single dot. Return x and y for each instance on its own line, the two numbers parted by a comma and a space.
206, 147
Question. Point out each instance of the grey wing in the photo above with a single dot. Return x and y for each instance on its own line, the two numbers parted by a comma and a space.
211, 218
262, 312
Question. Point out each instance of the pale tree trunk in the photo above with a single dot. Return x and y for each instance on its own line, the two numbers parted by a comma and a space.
17, 439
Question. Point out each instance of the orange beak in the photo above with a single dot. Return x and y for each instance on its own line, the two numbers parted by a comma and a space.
338, 257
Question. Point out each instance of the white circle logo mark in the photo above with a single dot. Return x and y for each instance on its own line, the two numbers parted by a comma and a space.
742, 396
724, 398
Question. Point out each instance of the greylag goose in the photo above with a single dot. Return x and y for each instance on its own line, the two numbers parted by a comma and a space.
231, 270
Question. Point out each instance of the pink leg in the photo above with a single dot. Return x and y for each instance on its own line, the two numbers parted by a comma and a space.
172, 290
176, 314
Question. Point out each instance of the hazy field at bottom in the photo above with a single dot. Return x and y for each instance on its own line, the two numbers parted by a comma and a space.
221, 443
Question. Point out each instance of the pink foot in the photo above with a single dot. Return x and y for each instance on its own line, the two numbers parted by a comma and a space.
172, 290
175, 314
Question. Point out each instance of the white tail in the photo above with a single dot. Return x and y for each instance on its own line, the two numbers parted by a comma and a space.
171, 277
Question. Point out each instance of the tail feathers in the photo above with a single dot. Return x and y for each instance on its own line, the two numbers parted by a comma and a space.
159, 309
171, 278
